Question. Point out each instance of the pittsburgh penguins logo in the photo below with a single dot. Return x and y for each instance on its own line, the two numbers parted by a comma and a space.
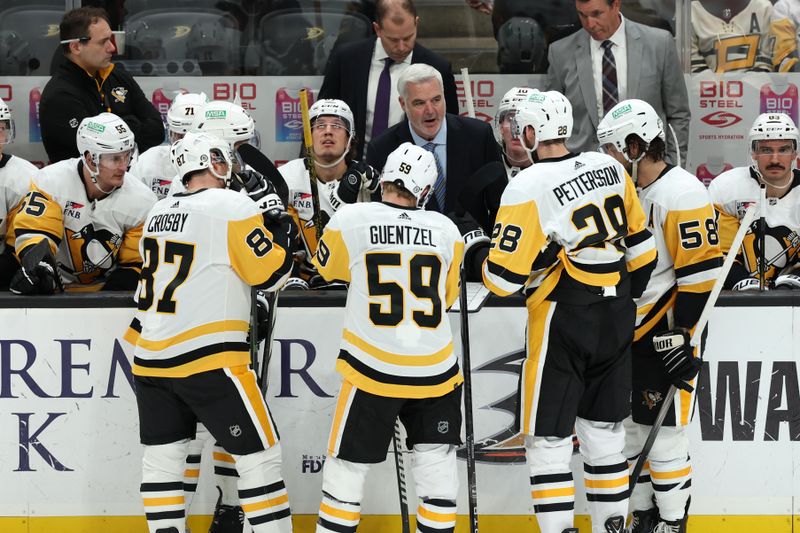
98, 249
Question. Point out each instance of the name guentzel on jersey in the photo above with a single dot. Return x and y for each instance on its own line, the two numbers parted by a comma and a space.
583, 183
401, 235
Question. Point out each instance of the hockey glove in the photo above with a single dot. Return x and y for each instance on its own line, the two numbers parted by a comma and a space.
746, 284
359, 175
476, 244
259, 189
678, 357
37, 274
789, 278
295, 284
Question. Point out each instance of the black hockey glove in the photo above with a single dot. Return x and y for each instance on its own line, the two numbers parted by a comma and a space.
38, 274
678, 357
359, 175
476, 244
258, 188
262, 316
789, 278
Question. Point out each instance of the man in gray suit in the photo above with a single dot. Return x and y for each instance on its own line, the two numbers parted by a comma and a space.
612, 59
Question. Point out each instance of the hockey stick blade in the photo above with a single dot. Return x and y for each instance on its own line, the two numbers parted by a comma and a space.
264, 166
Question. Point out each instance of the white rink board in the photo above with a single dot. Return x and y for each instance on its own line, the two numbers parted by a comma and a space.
56, 364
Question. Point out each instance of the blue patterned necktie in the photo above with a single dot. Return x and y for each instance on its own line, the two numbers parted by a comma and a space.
610, 91
380, 116
439, 188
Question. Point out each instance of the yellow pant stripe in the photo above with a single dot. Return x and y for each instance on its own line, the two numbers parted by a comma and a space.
339, 414
264, 504
553, 493
434, 516
167, 500
606, 483
675, 474
339, 513
247, 379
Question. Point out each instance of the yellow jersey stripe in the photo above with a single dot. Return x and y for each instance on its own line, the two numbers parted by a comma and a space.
206, 329
396, 359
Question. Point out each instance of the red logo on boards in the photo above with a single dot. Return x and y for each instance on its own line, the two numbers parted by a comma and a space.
721, 119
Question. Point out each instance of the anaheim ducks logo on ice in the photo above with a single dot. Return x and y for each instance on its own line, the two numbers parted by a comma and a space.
507, 445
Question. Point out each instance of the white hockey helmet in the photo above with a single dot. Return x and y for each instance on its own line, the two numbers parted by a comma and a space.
630, 117
105, 133
5, 116
414, 169
336, 108
548, 113
184, 110
509, 105
226, 120
197, 150
771, 127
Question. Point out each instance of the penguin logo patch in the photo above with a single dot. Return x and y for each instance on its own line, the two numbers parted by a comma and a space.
651, 398
119, 94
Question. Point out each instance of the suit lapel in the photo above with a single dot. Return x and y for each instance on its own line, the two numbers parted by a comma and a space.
455, 158
634, 44
583, 64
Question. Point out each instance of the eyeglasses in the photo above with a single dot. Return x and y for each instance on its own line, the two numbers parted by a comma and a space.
322, 126
83, 40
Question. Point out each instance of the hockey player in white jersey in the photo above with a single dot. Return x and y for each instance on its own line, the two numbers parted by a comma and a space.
204, 249
340, 180
773, 151
154, 167
571, 233
731, 35
681, 218
515, 157
89, 211
396, 354
15, 181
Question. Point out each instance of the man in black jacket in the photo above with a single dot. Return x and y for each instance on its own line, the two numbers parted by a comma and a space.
88, 84
354, 70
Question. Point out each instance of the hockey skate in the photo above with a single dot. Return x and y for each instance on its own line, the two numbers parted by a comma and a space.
227, 519
678, 526
644, 521
615, 524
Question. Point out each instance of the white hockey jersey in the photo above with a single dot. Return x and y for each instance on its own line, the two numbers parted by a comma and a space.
89, 237
15, 182
403, 268
739, 42
202, 252
301, 207
577, 214
154, 168
681, 219
731, 193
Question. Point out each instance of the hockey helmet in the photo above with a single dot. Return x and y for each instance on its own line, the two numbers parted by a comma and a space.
182, 113
336, 108
412, 168
771, 127
6, 123
226, 120
197, 150
522, 46
102, 134
630, 117
548, 113
508, 106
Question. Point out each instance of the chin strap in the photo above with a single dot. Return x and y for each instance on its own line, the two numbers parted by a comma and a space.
93, 175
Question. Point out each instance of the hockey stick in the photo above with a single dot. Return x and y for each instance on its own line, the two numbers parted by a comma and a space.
667, 404
468, 92
272, 314
316, 217
255, 158
762, 239
400, 469
472, 486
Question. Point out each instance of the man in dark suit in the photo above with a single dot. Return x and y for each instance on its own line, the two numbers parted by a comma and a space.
364, 73
613, 59
461, 145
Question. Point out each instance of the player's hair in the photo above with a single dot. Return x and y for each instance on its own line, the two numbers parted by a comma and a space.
418, 73
609, 2
75, 24
384, 8
404, 193
656, 151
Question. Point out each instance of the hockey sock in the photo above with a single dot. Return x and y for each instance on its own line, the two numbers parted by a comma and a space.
671, 482
642, 497
225, 476
262, 492
436, 516
191, 473
162, 486
552, 487
336, 516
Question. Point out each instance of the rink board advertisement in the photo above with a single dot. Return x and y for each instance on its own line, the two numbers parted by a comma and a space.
69, 418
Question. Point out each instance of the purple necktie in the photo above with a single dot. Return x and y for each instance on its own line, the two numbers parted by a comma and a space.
610, 92
380, 116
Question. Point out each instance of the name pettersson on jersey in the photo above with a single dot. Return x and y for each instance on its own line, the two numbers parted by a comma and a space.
401, 235
588, 181
167, 222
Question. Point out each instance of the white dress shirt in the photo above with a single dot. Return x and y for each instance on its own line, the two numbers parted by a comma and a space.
619, 49
375, 69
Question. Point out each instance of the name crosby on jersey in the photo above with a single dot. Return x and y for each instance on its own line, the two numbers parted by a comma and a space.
401, 235
583, 183
167, 222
